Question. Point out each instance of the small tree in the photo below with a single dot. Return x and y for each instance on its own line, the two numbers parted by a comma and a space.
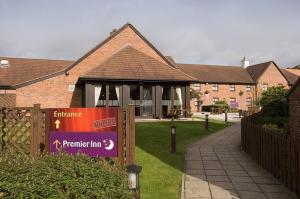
274, 102
196, 95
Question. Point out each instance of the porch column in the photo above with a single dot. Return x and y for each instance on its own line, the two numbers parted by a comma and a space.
187, 101
89, 95
125, 96
158, 101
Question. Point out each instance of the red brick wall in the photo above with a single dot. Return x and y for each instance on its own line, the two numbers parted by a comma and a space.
294, 100
224, 93
272, 77
54, 92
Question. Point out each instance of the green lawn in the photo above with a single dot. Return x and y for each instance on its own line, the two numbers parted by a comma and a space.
162, 171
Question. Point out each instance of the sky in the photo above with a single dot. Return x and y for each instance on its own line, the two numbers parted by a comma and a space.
191, 31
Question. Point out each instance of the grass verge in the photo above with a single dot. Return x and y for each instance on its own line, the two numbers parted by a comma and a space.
162, 171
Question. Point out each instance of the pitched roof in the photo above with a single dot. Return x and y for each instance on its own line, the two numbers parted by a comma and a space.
291, 74
131, 64
45, 69
257, 70
111, 36
21, 70
217, 74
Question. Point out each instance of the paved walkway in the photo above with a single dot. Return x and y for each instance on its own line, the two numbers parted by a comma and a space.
216, 168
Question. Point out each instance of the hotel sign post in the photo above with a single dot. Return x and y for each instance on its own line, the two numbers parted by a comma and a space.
96, 132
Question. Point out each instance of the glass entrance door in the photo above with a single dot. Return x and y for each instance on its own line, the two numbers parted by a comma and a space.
147, 102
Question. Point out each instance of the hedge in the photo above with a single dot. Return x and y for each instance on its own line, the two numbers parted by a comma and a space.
60, 176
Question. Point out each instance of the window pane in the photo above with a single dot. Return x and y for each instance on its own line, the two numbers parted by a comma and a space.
147, 102
114, 95
135, 98
102, 98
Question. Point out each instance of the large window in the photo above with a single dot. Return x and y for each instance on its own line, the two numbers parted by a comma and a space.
135, 98
100, 95
147, 101
178, 100
166, 101
114, 95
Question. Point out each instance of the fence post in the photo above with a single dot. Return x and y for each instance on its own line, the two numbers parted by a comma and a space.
121, 137
36, 134
130, 136
47, 131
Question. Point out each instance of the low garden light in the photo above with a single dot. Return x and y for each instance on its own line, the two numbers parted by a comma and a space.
173, 139
206, 121
134, 179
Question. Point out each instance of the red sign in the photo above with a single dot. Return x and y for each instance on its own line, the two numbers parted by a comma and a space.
84, 119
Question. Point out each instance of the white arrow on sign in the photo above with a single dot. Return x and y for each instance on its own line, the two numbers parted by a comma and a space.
57, 122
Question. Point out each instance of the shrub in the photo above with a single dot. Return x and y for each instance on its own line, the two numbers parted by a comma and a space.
274, 102
60, 176
222, 104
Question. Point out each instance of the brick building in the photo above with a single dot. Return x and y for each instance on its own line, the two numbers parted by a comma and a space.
127, 69
123, 69
239, 86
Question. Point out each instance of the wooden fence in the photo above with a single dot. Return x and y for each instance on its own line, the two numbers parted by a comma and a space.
276, 152
26, 130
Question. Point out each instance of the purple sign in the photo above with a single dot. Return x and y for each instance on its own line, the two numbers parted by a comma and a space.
234, 104
92, 144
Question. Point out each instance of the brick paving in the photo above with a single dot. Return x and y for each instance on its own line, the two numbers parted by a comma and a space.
217, 168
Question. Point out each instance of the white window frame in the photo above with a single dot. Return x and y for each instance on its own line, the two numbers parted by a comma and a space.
232, 87
249, 101
232, 99
248, 87
215, 87
197, 86
265, 87
215, 99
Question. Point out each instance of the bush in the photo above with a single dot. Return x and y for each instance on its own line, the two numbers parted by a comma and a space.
274, 102
60, 176
275, 107
220, 104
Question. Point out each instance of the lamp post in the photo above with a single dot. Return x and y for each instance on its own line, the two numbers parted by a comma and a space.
226, 116
173, 139
206, 121
134, 179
